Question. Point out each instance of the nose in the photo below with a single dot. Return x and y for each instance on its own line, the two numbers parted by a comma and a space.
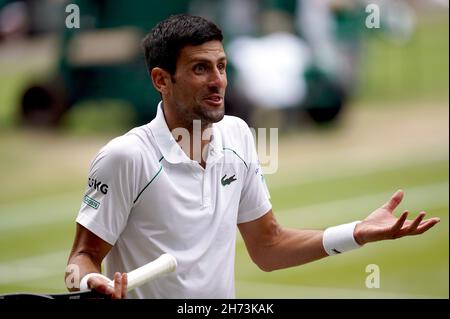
218, 78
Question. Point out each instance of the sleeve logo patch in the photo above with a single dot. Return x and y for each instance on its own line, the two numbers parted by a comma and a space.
97, 185
91, 202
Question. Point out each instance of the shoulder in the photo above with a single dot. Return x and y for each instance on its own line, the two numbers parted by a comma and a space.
230, 121
127, 149
235, 129
236, 136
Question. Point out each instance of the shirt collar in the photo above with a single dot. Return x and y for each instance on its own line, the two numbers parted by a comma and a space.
170, 149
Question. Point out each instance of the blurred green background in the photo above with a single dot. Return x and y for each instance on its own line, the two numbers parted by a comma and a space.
394, 134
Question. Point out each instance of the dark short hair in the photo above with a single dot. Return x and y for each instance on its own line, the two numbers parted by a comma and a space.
162, 45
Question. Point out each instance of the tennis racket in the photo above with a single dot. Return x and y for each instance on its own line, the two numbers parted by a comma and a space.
164, 264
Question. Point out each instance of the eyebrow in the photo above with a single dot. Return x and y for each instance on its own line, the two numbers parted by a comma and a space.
203, 60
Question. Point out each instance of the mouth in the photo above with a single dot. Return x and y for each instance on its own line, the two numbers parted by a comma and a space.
214, 99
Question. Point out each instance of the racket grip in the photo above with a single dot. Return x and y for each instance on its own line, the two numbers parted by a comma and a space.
163, 264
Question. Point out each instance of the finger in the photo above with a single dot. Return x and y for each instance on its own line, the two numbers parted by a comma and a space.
394, 201
399, 223
124, 285
117, 285
412, 227
424, 226
99, 285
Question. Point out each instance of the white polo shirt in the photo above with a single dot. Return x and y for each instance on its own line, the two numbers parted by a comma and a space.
146, 197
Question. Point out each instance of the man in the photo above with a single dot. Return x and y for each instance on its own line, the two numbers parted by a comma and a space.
182, 183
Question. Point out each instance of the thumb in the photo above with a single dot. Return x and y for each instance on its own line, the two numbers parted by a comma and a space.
395, 200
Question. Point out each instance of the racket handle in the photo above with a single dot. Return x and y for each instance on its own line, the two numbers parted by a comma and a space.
162, 265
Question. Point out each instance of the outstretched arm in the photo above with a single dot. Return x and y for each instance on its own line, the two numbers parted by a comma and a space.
272, 246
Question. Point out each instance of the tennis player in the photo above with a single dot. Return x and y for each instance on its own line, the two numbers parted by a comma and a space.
181, 184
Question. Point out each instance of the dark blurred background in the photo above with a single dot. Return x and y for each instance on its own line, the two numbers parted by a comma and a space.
287, 58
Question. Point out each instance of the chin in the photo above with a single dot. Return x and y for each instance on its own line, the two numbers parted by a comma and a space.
214, 115
217, 115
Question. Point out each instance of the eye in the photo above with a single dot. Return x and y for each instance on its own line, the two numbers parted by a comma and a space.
200, 68
221, 67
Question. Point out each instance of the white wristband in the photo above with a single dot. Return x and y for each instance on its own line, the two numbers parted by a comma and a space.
339, 239
84, 280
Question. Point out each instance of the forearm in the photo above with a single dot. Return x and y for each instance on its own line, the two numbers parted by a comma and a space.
291, 247
79, 265
86, 257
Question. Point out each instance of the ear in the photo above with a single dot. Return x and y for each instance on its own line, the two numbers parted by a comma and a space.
160, 79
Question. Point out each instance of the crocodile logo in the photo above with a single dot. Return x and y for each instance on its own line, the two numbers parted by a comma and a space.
227, 181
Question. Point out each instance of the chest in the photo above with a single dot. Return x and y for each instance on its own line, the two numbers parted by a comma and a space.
185, 199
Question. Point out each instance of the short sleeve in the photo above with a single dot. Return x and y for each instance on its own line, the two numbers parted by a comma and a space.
109, 195
254, 201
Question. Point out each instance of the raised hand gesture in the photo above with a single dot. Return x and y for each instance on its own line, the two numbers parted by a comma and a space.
382, 224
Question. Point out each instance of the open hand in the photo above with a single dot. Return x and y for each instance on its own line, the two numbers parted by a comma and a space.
382, 224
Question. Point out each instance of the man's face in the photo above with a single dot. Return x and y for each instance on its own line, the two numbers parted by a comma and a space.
198, 87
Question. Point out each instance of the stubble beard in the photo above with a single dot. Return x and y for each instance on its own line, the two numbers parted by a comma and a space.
207, 115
